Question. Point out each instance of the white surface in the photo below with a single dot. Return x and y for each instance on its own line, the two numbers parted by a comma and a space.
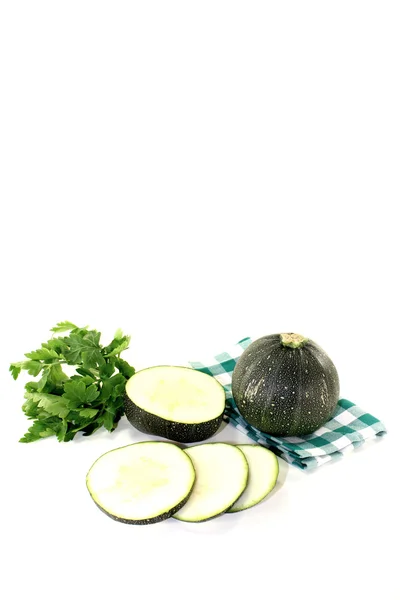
195, 173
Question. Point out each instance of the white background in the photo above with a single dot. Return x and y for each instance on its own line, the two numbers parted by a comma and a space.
196, 172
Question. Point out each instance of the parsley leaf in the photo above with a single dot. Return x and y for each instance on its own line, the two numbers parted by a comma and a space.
15, 369
91, 398
42, 354
32, 366
125, 368
77, 394
52, 378
118, 345
38, 430
53, 405
63, 326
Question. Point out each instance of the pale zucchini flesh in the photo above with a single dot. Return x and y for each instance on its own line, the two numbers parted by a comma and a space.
221, 476
177, 403
141, 483
263, 475
177, 394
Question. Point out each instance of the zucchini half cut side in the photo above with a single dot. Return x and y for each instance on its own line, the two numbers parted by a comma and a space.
142, 483
221, 476
177, 403
263, 474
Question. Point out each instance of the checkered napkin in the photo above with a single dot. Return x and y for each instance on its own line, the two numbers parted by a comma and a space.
349, 427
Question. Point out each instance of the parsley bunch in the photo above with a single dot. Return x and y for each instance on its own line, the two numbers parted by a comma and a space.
91, 398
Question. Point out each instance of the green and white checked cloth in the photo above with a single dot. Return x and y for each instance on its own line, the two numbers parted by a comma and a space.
349, 427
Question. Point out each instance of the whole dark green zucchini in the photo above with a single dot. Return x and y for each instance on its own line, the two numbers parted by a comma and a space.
285, 385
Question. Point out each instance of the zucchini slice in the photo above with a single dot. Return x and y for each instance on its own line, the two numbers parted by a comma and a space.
263, 474
221, 477
141, 483
177, 403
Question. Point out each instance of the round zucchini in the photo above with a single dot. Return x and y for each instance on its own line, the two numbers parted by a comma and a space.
142, 483
263, 475
285, 385
177, 403
221, 477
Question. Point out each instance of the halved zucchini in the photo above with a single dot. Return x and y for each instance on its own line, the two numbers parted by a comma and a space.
263, 473
221, 476
177, 403
142, 483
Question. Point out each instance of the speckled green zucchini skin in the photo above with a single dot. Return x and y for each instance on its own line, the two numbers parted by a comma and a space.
151, 424
283, 390
151, 521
